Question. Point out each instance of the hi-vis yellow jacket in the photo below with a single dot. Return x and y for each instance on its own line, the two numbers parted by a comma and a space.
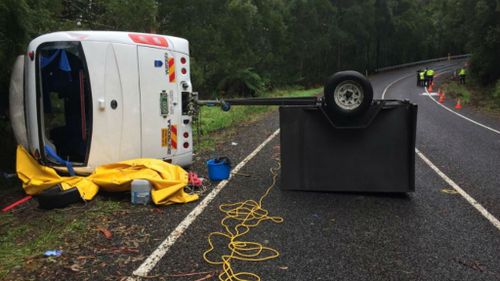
168, 180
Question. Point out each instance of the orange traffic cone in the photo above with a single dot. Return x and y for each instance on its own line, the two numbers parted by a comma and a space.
458, 105
429, 89
442, 97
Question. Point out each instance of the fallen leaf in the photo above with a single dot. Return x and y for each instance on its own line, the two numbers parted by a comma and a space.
85, 257
106, 232
75, 268
283, 267
449, 191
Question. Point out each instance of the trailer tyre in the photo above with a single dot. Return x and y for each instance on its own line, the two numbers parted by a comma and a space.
348, 93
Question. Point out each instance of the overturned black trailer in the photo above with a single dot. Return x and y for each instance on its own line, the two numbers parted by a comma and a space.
344, 140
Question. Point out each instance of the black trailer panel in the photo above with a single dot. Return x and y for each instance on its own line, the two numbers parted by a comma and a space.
375, 153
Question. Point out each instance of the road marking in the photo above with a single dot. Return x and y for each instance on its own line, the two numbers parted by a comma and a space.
394, 82
455, 186
430, 94
162, 249
405, 76
464, 194
460, 115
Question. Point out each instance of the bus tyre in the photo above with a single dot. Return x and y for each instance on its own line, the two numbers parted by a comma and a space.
348, 93
56, 197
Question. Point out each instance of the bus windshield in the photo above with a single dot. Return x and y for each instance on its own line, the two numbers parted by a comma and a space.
64, 105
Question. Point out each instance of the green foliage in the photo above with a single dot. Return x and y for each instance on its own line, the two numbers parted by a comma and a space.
282, 42
485, 41
458, 90
496, 94
213, 118
129, 15
244, 82
471, 26
22, 238
13, 37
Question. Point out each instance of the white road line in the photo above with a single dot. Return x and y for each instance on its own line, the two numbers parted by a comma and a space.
460, 115
430, 94
455, 186
162, 249
405, 76
464, 194
394, 82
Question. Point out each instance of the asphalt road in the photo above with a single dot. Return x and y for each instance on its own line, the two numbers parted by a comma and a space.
425, 235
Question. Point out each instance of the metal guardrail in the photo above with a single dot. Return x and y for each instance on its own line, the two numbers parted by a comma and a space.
421, 62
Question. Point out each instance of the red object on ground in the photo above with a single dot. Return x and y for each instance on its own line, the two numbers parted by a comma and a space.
430, 87
106, 232
458, 105
194, 180
17, 203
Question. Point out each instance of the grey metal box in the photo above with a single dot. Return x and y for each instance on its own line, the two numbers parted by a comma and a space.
372, 153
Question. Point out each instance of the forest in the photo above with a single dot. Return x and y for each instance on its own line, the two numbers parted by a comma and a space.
265, 44
241, 47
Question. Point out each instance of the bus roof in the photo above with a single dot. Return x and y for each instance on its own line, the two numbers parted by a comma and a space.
152, 40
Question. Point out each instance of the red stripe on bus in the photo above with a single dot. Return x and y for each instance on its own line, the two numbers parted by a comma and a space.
146, 39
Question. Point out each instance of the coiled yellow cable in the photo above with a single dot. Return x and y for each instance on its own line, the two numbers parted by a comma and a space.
247, 215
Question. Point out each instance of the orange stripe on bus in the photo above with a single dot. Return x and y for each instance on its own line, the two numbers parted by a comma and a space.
171, 70
164, 137
173, 141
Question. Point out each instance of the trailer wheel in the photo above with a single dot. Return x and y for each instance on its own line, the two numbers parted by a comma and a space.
348, 93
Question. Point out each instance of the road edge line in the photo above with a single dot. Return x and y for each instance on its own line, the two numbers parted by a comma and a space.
460, 115
492, 219
394, 82
163, 248
462, 192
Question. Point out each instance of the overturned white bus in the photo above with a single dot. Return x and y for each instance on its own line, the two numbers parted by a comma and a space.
88, 98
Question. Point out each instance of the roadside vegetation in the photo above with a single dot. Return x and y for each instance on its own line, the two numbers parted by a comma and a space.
213, 118
24, 239
485, 98
456, 90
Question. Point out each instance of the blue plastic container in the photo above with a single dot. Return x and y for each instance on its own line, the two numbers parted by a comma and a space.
218, 169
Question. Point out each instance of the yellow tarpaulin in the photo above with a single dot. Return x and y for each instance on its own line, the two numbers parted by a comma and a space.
168, 180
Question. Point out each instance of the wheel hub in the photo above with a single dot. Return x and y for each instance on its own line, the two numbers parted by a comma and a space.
348, 95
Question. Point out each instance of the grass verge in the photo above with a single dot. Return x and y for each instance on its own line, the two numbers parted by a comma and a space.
29, 234
214, 119
484, 98
457, 90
